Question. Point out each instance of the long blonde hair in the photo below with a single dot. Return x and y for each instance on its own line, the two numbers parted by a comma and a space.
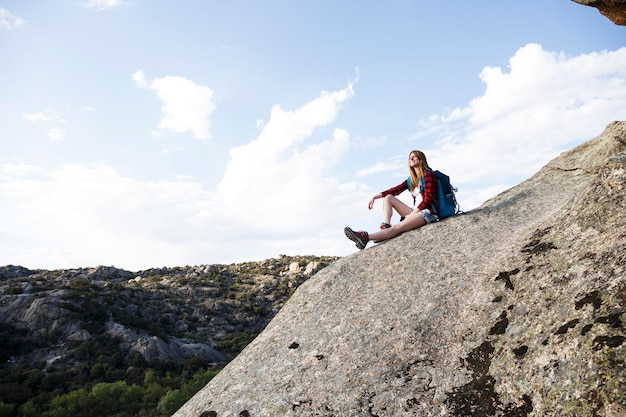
417, 173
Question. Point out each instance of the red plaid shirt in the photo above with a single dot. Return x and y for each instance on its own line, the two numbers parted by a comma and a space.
429, 193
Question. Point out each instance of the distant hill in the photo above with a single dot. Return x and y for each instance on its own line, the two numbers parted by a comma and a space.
149, 333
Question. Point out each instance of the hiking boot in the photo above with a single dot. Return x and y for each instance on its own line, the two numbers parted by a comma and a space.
384, 226
360, 238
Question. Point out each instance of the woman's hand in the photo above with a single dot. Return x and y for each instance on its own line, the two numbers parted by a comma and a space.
371, 203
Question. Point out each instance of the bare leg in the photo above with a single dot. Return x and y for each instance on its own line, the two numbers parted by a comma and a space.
412, 220
391, 203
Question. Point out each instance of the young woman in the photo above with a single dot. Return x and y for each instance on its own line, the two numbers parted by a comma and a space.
425, 212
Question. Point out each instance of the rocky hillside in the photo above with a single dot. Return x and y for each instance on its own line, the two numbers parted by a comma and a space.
77, 327
514, 309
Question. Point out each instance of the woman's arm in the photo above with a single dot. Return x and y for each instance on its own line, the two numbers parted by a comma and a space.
397, 190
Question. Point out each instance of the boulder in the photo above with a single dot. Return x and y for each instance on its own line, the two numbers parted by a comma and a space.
294, 268
516, 308
43, 316
311, 268
155, 350
110, 273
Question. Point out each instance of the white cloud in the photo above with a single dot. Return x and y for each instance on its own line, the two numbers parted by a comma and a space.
187, 105
9, 21
279, 181
45, 116
19, 169
277, 196
374, 142
139, 78
56, 134
77, 215
101, 5
545, 103
280, 192
377, 168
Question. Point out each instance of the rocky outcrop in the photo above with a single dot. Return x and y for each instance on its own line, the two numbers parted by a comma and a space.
156, 349
516, 308
166, 315
614, 10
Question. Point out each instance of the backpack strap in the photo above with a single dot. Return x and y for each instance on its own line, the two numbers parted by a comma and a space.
408, 181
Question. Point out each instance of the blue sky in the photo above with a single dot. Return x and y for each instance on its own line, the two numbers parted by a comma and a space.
147, 133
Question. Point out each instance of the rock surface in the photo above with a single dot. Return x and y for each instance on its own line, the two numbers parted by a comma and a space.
614, 10
516, 308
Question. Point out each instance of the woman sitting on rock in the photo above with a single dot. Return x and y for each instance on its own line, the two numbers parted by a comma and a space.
425, 212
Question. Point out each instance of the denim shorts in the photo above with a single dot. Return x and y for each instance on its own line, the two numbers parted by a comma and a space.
430, 218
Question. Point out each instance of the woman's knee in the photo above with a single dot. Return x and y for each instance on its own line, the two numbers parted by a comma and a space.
388, 199
414, 220
389, 202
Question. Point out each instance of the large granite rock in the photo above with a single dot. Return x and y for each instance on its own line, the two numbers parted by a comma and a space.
516, 308
614, 10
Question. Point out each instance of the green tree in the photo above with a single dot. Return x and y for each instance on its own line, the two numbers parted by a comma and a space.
6, 410
75, 403
139, 361
108, 398
197, 382
29, 409
98, 371
117, 360
150, 377
153, 393
171, 402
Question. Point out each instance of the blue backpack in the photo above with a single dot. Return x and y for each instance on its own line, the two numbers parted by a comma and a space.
446, 198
